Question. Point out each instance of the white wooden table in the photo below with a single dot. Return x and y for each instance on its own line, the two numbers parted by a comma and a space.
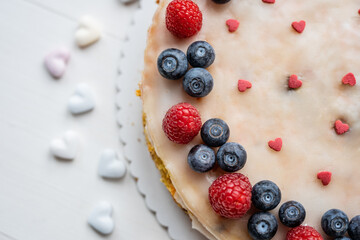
42, 198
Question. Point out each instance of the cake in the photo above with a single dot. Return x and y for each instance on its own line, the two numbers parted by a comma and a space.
284, 81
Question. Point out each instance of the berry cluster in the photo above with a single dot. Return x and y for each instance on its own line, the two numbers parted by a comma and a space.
173, 64
181, 124
263, 225
231, 156
230, 194
266, 196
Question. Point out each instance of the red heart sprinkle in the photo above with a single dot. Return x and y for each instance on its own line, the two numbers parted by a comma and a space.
325, 177
294, 82
243, 85
359, 11
340, 127
349, 79
232, 24
299, 26
276, 145
268, 1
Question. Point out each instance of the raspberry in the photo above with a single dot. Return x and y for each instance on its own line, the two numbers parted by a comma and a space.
183, 18
182, 123
303, 233
230, 195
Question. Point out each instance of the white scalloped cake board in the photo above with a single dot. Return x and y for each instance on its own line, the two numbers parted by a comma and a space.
129, 117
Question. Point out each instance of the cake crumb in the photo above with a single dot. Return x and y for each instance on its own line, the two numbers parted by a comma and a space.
138, 93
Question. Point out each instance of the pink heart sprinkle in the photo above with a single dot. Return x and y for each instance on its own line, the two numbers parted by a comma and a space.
349, 79
340, 127
56, 62
276, 144
232, 24
243, 85
294, 82
325, 177
299, 26
268, 1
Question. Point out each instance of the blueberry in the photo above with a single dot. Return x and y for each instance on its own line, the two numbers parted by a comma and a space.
198, 82
292, 214
262, 226
266, 195
215, 132
335, 223
231, 157
342, 238
221, 1
354, 228
200, 54
172, 64
201, 158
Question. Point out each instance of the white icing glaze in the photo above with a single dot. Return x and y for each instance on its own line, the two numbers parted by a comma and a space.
265, 50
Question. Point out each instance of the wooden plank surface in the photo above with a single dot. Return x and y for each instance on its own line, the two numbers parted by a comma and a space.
41, 197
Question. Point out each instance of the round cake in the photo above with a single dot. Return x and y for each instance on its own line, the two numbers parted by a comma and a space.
284, 81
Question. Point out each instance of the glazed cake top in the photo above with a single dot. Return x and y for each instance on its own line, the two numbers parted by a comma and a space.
266, 50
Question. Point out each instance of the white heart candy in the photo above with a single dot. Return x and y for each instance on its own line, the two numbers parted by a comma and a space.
82, 101
101, 218
110, 166
89, 32
56, 62
65, 147
127, 1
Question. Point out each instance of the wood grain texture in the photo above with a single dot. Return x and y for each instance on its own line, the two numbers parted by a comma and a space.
41, 197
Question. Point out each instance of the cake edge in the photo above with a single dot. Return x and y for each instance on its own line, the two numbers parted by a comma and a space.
166, 180
165, 176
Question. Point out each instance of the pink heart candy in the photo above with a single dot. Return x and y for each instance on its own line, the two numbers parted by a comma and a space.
299, 26
325, 177
276, 144
56, 62
232, 24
